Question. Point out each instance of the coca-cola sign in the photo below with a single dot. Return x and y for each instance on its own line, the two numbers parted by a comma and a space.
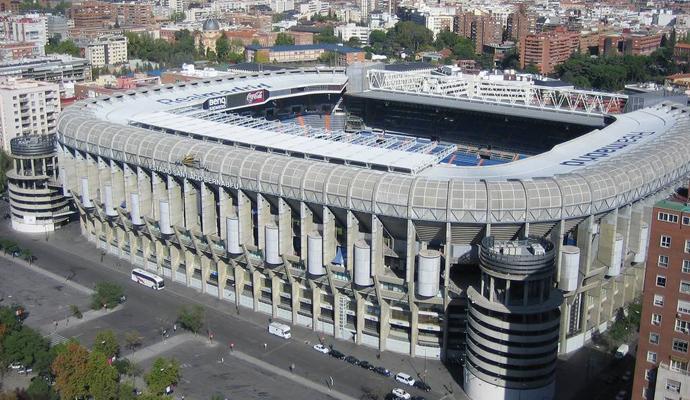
256, 96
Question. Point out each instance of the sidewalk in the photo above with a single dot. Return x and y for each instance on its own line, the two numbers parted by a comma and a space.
35, 267
166, 345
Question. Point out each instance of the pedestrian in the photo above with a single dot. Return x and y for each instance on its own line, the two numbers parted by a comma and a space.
174, 327
222, 360
56, 323
292, 367
378, 355
232, 347
265, 346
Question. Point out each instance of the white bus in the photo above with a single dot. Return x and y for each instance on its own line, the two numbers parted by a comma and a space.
147, 279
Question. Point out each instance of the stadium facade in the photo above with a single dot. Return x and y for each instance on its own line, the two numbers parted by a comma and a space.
371, 241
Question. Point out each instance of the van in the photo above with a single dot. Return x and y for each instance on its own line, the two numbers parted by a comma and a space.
622, 351
278, 329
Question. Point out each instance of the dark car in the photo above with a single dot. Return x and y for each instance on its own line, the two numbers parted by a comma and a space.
422, 386
382, 371
352, 360
336, 354
418, 398
366, 365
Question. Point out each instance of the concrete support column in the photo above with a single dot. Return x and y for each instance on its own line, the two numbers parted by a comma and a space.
159, 192
295, 296
145, 196
634, 229
256, 288
623, 227
225, 210
563, 332
607, 238
118, 184
275, 295
205, 271
191, 206
131, 185
263, 209
352, 236
557, 235
307, 226
384, 325
285, 227
103, 178
584, 242
92, 174
410, 256
222, 278
188, 266
244, 213
377, 263
239, 284
414, 327
360, 304
315, 305
329, 236
209, 219
175, 202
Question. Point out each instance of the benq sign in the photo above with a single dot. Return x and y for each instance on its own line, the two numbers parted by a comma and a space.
216, 103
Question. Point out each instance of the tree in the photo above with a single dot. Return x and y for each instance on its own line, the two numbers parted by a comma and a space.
62, 47
133, 339
446, 39
222, 48
70, 368
284, 39
326, 36
106, 293
5, 165
377, 37
102, 378
354, 42
177, 16
39, 389
411, 36
163, 373
106, 344
464, 49
191, 318
27, 347
27, 255
328, 58
127, 367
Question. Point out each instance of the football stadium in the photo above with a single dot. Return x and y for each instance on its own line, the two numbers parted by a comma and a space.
495, 224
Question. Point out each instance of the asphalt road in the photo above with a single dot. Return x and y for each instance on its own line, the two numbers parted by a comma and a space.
68, 254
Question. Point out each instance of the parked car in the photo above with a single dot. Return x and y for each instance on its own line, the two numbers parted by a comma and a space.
404, 378
400, 394
16, 365
382, 371
366, 365
418, 398
622, 351
321, 348
421, 385
336, 354
352, 360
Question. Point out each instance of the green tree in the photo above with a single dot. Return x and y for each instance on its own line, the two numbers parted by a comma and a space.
106, 293
222, 48
177, 16
446, 39
464, 49
27, 347
102, 378
354, 42
326, 36
70, 368
377, 37
5, 165
39, 389
106, 344
163, 373
284, 39
62, 47
191, 317
27, 255
409, 35
133, 339
531, 69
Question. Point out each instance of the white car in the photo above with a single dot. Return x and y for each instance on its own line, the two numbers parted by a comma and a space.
15, 365
404, 378
321, 348
401, 394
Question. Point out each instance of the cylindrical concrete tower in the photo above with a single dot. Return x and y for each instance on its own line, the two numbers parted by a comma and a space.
513, 322
37, 203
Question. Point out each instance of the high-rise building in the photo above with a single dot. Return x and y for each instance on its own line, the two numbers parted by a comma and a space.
28, 31
94, 15
661, 370
27, 108
134, 14
482, 28
548, 49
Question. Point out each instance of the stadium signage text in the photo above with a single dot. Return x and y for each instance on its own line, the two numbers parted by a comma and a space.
216, 103
603, 152
255, 97
217, 93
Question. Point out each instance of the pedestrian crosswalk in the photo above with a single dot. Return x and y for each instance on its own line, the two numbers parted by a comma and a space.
56, 339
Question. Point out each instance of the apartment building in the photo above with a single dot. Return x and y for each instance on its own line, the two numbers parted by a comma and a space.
480, 27
134, 14
94, 15
548, 49
106, 50
661, 371
636, 44
302, 53
27, 108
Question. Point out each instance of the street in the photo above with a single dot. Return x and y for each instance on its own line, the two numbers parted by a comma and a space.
67, 254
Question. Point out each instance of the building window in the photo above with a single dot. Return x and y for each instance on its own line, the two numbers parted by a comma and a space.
672, 385
685, 287
683, 306
653, 338
686, 220
682, 326
645, 393
658, 300
677, 365
656, 319
649, 374
663, 261
651, 356
680, 345
665, 241
661, 281
687, 246
666, 217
